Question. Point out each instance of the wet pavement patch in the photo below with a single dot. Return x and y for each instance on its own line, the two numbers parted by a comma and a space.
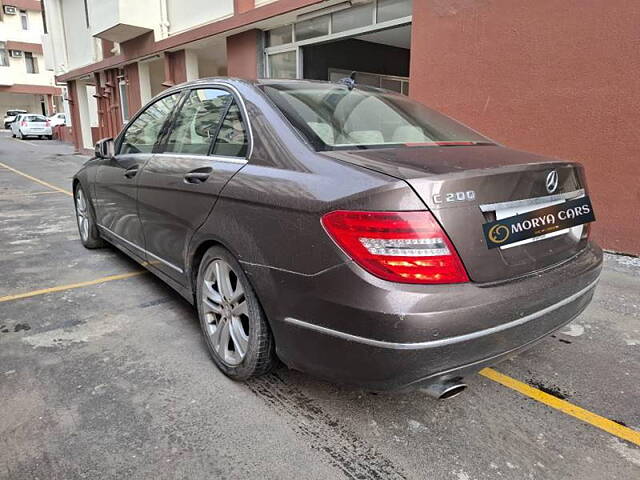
354, 456
553, 390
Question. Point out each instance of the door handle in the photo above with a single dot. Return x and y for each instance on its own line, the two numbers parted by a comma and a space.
131, 172
199, 175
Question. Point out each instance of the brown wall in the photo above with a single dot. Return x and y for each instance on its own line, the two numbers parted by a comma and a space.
34, 5
560, 78
24, 46
242, 54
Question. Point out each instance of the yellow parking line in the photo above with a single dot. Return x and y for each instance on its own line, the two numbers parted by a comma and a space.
41, 182
70, 286
597, 421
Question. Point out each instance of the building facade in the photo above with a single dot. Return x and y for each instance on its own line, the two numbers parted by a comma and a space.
557, 78
25, 82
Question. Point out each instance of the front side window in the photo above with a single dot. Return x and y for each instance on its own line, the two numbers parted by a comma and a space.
142, 134
198, 122
31, 62
333, 117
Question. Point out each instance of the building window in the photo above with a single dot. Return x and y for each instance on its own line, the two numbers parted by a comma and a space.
315, 27
24, 19
31, 61
355, 17
86, 13
280, 36
44, 19
124, 101
283, 65
4, 55
391, 9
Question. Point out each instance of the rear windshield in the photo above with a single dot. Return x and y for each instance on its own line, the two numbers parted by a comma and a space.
332, 117
13, 113
35, 119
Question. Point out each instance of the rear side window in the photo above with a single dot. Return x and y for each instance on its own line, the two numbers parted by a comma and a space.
232, 140
197, 124
142, 134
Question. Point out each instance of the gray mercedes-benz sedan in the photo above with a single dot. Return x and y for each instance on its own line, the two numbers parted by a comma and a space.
348, 231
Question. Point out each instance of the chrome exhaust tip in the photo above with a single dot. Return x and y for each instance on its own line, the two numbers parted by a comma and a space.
445, 389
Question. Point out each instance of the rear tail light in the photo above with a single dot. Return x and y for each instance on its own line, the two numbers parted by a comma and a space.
23, 124
407, 247
48, 124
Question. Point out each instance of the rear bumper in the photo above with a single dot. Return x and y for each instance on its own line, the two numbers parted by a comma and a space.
34, 132
347, 326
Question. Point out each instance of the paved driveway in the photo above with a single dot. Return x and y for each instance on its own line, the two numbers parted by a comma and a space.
104, 374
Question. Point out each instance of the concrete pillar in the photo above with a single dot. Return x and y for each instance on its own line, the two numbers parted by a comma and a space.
243, 54
74, 114
241, 6
175, 68
132, 77
50, 107
84, 116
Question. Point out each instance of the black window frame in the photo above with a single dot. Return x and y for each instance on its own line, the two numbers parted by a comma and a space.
30, 60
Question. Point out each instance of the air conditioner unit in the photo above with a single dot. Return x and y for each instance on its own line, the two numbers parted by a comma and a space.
10, 10
16, 53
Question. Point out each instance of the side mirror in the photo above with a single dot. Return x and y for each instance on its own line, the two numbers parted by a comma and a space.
105, 148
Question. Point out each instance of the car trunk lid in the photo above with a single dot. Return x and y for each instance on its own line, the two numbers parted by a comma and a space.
466, 187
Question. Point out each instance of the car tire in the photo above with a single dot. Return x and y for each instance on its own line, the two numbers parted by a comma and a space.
13, 135
20, 136
85, 218
49, 137
233, 323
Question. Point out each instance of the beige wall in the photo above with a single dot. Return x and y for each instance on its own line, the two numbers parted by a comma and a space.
80, 45
185, 14
30, 103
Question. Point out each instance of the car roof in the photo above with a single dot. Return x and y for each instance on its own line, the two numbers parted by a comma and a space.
260, 81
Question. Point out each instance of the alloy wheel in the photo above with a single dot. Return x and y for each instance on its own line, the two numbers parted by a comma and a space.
226, 313
82, 214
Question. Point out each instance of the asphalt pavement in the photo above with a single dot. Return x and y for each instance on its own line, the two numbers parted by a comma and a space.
104, 375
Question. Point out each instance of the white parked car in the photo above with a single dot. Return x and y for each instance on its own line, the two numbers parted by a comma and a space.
58, 119
31, 125
11, 115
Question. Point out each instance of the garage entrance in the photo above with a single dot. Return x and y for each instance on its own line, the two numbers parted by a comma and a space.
380, 59
371, 38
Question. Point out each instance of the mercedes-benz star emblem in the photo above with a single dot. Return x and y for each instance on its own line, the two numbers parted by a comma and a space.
552, 181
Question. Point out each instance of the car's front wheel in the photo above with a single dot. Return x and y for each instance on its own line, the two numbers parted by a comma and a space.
86, 220
20, 136
234, 325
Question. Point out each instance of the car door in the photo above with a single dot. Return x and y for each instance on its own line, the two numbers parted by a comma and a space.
117, 177
205, 146
15, 124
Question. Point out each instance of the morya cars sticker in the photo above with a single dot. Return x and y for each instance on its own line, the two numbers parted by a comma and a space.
538, 222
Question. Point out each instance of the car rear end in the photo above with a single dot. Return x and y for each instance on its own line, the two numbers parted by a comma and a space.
10, 117
429, 295
35, 125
